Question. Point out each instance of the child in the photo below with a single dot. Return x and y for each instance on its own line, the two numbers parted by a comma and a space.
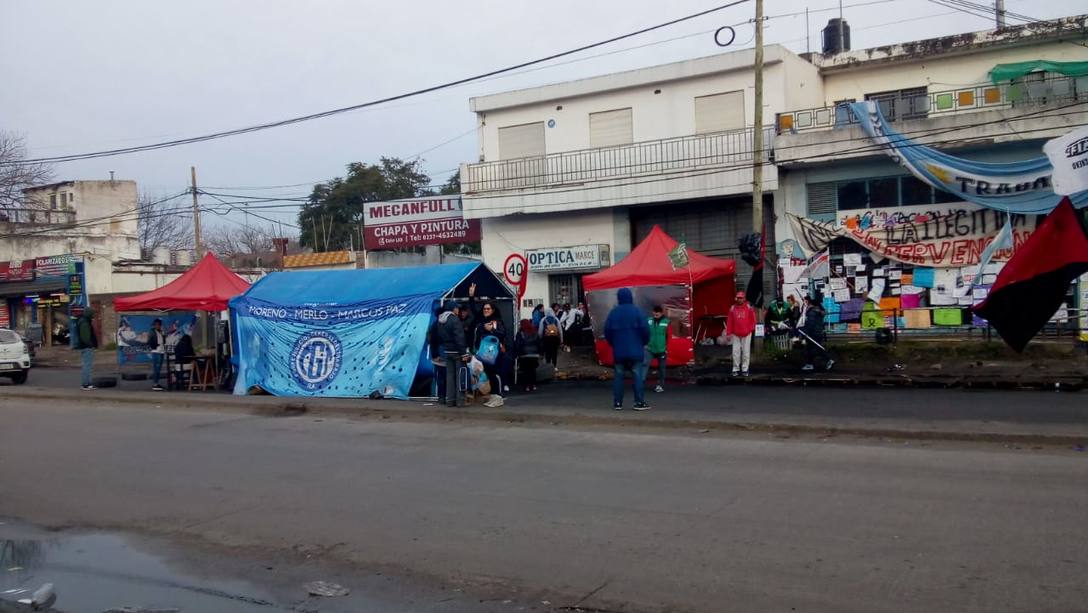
658, 346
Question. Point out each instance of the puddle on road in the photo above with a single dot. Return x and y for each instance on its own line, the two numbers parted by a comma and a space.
97, 572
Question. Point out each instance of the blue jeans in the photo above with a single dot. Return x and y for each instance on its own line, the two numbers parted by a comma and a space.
638, 373
87, 355
156, 367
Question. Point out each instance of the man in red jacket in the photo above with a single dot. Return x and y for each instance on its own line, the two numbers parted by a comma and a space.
740, 325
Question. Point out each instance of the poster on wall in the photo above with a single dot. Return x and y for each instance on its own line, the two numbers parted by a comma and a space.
421, 221
937, 236
134, 331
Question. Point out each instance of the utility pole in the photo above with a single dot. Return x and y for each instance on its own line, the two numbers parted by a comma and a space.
196, 217
999, 13
757, 134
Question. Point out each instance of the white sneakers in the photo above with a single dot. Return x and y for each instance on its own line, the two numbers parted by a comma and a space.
495, 401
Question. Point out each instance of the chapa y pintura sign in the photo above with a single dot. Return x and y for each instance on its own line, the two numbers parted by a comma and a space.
418, 221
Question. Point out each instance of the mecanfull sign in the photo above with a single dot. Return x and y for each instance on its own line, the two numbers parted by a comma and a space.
415, 222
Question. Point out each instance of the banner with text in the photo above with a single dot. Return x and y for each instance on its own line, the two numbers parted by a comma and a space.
341, 350
421, 221
1014, 187
937, 236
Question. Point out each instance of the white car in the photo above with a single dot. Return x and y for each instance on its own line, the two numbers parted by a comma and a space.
14, 357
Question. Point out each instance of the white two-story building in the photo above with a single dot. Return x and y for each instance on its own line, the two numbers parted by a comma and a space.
573, 175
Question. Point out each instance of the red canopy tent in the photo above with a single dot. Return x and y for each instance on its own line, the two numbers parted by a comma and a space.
708, 285
204, 287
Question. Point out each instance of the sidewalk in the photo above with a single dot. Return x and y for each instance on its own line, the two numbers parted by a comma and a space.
938, 363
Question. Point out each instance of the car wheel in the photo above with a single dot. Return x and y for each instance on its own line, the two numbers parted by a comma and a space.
19, 379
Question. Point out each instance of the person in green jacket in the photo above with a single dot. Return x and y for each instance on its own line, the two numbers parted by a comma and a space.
86, 342
658, 346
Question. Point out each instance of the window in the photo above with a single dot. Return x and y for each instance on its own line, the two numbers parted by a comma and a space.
899, 104
53, 201
609, 128
521, 141
719, 112
883, 192
824, 199
853, 195
71, 196
914, 191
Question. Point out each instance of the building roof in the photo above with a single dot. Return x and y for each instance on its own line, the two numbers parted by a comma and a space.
60, 184
686, 69
1034, 33
312, 260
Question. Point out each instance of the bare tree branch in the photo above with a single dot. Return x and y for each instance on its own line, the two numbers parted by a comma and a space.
15, 178
249, 239
160, 225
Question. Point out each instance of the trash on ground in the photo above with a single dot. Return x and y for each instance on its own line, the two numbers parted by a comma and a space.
326, 589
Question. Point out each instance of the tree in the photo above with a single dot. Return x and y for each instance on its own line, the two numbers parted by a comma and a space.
250, 239
333, 218
16, 176
161, 224
453, 185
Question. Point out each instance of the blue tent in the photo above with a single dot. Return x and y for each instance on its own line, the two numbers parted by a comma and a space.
347, 333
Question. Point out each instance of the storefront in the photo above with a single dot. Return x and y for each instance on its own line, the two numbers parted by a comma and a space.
564, 267
36, 295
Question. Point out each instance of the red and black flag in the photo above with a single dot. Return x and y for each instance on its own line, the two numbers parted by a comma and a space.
1033, 284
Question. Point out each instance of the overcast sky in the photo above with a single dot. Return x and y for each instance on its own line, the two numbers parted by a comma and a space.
81, 76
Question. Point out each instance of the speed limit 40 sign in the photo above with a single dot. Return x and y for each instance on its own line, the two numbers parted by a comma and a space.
513, 270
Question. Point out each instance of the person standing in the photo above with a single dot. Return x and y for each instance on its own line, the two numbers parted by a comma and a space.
813, 328
571, 324
538, 314
658, 346
527, 349
489, 323
450, 334
794, 311
551, 336
627, 333
741, 325
86, 343
156, 341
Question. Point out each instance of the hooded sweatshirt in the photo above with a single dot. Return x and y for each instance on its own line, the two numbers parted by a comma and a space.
87, 338
549, 318
626, 329
741, 321
451, 334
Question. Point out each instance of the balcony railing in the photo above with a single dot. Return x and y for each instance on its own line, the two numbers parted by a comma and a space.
643, 158
37, 216
1052, 90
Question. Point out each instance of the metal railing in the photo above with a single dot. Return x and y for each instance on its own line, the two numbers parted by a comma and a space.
932, 104
37, 216
643, 158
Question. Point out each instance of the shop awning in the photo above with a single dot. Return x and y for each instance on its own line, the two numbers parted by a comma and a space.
40, 286
1007, 72
208, 286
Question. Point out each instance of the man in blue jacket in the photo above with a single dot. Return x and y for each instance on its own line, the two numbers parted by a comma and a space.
627, 332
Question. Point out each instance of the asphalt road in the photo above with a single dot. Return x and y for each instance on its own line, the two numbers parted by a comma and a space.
619, 521
1053, 412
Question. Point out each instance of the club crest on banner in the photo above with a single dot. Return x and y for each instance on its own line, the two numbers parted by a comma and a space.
315, 359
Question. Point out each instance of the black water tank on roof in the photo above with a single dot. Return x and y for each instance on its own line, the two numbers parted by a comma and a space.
836, 36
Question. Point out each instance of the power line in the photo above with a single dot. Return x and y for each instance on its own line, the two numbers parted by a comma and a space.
337, 111
689, 173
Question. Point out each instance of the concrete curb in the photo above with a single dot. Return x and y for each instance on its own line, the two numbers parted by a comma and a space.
1065, 383
273, 406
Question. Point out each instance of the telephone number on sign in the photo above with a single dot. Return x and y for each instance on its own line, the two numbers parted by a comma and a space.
423, 238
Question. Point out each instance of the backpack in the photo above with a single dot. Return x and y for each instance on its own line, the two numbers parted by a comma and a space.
551, 326
488, 352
